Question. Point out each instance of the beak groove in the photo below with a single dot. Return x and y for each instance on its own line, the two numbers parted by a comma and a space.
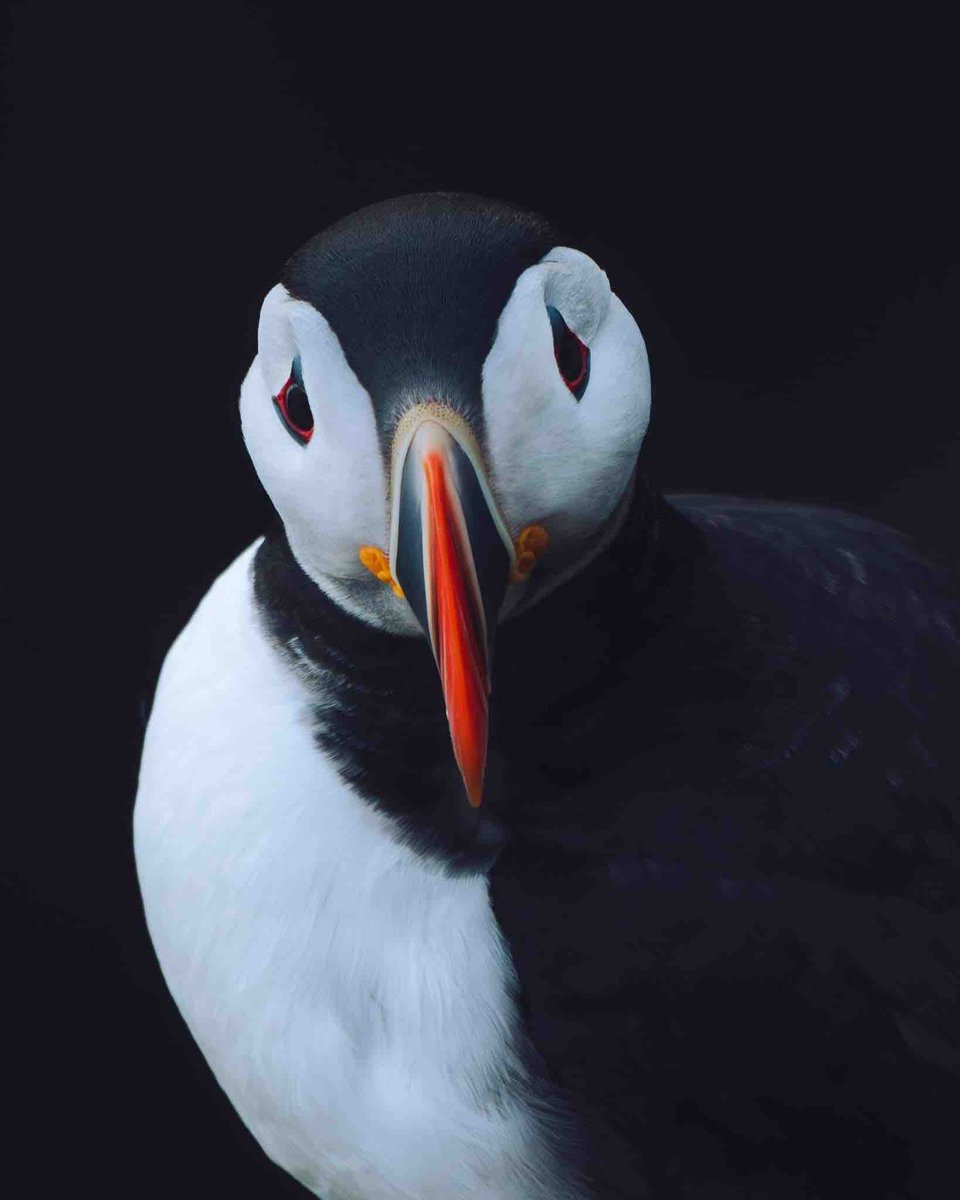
457, 629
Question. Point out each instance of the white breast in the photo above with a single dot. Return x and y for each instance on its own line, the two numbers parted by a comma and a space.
354, 1003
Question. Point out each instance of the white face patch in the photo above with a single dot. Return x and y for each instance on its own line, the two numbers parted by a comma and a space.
557, 461
332, 492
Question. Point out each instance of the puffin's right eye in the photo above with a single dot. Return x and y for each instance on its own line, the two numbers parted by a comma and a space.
293, 406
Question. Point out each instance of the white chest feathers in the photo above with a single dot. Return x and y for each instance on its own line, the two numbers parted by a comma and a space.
354, 1003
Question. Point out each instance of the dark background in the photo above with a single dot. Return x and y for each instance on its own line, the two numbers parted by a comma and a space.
773, 200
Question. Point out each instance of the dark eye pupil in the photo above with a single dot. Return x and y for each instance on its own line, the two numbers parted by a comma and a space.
298, 407
568, 357
293, 407
573, 357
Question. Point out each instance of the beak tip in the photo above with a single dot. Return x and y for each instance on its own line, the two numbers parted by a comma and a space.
471, 758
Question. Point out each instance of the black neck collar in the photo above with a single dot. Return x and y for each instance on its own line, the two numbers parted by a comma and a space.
379, 713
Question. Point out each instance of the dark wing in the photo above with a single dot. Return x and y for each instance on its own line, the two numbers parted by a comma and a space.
750, 975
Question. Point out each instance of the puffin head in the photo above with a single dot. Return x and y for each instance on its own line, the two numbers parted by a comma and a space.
445, 408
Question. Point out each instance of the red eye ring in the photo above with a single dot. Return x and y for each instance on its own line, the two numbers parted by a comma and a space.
293, 407
577, 381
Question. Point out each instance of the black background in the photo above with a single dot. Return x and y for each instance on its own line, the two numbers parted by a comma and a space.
772, 199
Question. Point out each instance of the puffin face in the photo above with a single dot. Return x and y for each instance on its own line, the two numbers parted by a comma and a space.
446, 408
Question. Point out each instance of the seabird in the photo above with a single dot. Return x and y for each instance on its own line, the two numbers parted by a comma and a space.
508, 830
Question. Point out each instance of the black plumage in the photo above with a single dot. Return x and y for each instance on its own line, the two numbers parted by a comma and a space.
737, 926
721, 827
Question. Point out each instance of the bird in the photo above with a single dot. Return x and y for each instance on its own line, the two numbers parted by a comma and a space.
507, 828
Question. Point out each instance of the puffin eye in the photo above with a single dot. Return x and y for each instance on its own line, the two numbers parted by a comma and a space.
293, 406
572, 355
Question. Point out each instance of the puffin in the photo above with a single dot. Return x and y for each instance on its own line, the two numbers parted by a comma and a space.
509, 830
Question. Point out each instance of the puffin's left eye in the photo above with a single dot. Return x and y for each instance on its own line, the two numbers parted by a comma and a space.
572, 355
293, 406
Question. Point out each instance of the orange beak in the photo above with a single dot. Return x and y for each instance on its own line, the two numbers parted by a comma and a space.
451, 560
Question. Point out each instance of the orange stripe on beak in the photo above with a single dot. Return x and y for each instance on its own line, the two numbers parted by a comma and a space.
457, 629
